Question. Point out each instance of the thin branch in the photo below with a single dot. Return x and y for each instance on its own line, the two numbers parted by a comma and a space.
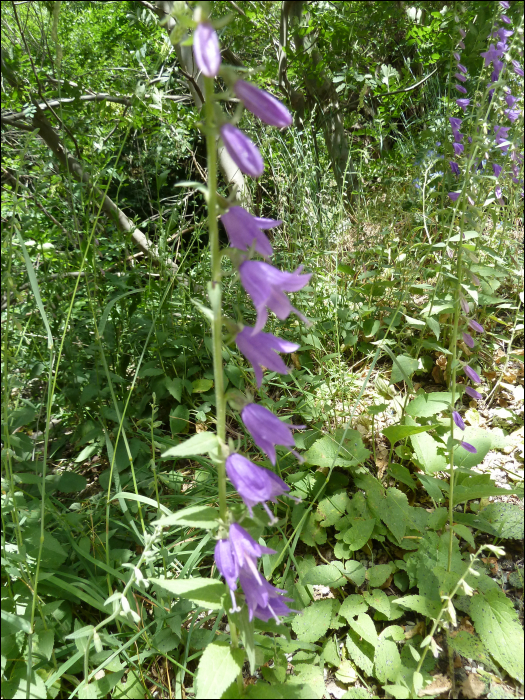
408, 89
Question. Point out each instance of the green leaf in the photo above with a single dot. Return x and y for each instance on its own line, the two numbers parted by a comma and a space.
110, 305
354, 571
332, 507
470, 646
364, 626
397, 514
465, 533
67, 482
353, 605
420, 604
179, 420
205, 592
433, 325
219, 666
201, 385
360, 651
326, 451
387, 661
474, 487
427, 405
399, 432
379, 600
198, 444
86, 453
324, 575
359, 534
174, 386
378, 574
498, 626
403, 368
132, 689
14, 623
194, 516
505, 518
310, 680
314, 621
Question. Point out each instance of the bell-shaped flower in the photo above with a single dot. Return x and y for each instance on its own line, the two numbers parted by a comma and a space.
455, 168
472, 392
468, 340
458, 148
261, 350
455, 123
228, 567
512, 114
268, 431
517, 68
510, 100
493, 54
243, 152
265, 106
464, 304
461, 77
267, 285
458, 420
496, 169
472, 374
467, 446
263, 600
476, 326
461, 89
254, 484
246, 231
463, 102
206, 50
454, 196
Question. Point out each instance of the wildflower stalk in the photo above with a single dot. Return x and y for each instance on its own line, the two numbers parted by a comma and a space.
215, 291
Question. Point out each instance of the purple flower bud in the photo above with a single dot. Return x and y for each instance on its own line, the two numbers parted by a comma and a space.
455, 122
462, 32
458, 136
499, 195
461, 45
475, 279
464, 304
472, 392
206, 50
461, 89
463, 102
243, 152
265, 106
456, 56
506, 19
467, 446
505, 4
254, 484
268, 431
468, 340
261, 350
496, 169
517, 68
263, 600
461, 77
454, 196
471, 374
458, 420
462, 68
267, 285
510, 100
244, 230
512, 114
476, 326
455, 168
458, 148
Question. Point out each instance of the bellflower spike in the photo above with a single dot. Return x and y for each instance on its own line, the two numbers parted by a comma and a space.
245, 230
268, 431
458, 420
265, 106
463, 102
254, 484
455, 168
267, 285
468, 340
243, 152
263, 600
206, 50
261, 350
476, 326
471, 374
467, 446
461, 89
472, 392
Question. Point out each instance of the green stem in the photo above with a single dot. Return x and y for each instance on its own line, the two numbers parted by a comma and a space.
215, 291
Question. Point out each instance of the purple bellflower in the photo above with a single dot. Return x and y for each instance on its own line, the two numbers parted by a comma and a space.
464, 304
261, 350
510, 100
512, 114
493, 54
506, 19
458, 420
267, 285
454, 196
456, 56
476, 326
245, 230
471, 374
206, 50
467, 446
461, 77
468, 340
263, 600
472, 392
461, 89
463, 102
268, 431
455, 123
265, 106
455, 168
499, 195
254, 484
517, 68
496, 169
458, 148
462, 68
243, 152
505, 4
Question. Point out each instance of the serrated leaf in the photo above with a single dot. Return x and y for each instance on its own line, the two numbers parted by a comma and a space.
198, 444
387, 661
219, 666
420, 604
361, 652
194, 516
314, 621
397, 514
470, 646
324, 575
497, 624
359, 534
326, 451
465, 533
332, 507
352, 605
379, 600
205, 592
354, 571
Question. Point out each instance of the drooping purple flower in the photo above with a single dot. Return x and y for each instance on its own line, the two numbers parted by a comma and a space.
512, 114
461, 89
493, 54
254, 484
458, 420
455, 122
242, 150
496, 169
510, 100
472, 392
498, 67
476, 326
467, 446
463, 102
468, 340
462, 32
506, 19
458, 148
245, 230
206, 50
505, 4
456, 56
503, 34
268, 431
461, 77
228, 568
245, 549
461, 45
517, 68
454, 196
458, 136
263, 600
454, 167
462, 68
464, 304
501, 138
267, 285
261, 350
471, 374
265, 106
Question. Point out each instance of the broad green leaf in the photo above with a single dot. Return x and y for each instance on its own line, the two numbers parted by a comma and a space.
201, 385
132, 689
420, 604
403, 368
87, 452
470, 646
499, 628
67, 482
505, 518
14, 623
434, 326
324, 575
332, 507
397, 514
359, 534
174, 386
379, 600
427, 405
179, 420
364, 626
426, 451
387, 661
194, 516
378, 574
314, 622
310, 680
219, 666
325, 451
361, 652
353, 570
352, 605
465, 533
474, 488
198, 444
346, 673
205, 592
110, 305
399, 432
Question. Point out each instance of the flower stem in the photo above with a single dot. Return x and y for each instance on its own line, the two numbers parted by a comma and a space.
215, 290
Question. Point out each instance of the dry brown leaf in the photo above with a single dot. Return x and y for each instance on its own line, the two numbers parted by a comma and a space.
437, 375
473, 686
440, 684
200, 427
441, 361
417, 629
